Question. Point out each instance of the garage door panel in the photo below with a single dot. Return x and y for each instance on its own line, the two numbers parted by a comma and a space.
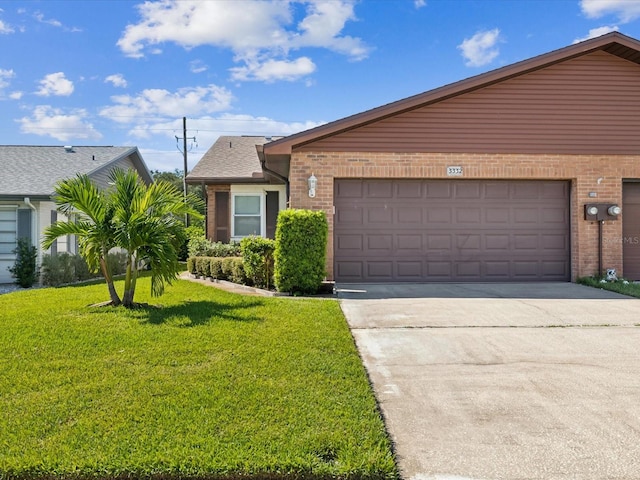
410, 270
411, 215
438, 190
497, 215
468, 215
409, 189
409, 243
439, 215
494, 231
468, 190
381, 244
497, 242
349, 216
380, 189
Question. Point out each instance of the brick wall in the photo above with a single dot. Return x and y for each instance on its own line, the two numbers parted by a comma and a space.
211, 208
587, 173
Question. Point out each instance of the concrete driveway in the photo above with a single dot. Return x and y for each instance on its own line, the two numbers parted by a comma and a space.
503, 381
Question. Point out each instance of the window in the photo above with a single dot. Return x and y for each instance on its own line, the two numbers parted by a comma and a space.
247, 219
8, 229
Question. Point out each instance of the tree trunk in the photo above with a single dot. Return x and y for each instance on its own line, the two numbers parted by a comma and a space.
115, 299
130, 282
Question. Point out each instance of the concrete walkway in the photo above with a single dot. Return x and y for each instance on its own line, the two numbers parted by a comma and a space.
478, 381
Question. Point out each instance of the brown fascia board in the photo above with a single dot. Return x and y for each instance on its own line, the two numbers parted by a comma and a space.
285, 145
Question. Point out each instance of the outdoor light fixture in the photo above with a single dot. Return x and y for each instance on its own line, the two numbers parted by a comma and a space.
313, 183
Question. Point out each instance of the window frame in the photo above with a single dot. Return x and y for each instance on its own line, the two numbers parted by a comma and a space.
261, 214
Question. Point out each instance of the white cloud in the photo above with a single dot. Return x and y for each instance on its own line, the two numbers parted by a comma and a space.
117, 80
597, 32
39, 16
198, 66
480, 49
163, 103
625, 10
53, 122
17, 95
256, 31
272, 70
419, 3
5, 28
5, 76
55, 84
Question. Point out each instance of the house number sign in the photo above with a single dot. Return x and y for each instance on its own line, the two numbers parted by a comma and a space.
454, 171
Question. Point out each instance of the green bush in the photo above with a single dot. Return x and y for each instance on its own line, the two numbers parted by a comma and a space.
238, 274
199, 246
216, 268
203, 266
257, 257
301, 250
25, 269
64, 268
191, 265
57, 269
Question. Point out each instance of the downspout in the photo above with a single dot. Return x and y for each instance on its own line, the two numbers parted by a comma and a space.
282, 178
27, 202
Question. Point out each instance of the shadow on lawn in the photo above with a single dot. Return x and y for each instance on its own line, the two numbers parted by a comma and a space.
195, 313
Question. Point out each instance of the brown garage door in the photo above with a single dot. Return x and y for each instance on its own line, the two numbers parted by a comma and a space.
451, 231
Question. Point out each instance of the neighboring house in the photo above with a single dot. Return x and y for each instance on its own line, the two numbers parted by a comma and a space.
29, 175
243, 198
486, 179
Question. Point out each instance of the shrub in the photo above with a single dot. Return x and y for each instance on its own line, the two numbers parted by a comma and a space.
64, 268
203, 266
300, 254
57, 269
238, 274
257, 257
191, 265
216, 268
198, 246
220, 249
25, 270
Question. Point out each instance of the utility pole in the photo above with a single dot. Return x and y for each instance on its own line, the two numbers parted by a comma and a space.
184, 139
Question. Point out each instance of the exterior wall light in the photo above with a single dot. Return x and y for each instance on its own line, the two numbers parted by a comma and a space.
313, 183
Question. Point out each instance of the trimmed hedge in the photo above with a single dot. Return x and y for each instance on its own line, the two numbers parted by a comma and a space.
218, 268
301, 250
257, 256
64, 268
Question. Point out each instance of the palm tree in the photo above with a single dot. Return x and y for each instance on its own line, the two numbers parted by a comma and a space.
90, 219
148, 226
143, 220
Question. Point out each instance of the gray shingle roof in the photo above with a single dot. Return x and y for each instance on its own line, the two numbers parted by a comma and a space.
34, 170
230, 157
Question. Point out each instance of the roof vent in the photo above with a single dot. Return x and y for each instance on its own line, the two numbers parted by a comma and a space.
68, 148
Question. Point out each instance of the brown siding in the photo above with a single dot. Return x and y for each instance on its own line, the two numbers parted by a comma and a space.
588, 105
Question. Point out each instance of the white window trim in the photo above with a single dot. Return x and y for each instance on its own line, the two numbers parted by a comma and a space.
253, 190
261, 213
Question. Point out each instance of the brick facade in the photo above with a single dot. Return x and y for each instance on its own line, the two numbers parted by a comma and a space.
587, 173
211, 208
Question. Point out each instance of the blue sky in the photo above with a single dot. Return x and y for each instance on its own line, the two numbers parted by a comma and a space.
126, 72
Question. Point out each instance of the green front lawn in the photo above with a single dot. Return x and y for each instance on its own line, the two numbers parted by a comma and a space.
212, 385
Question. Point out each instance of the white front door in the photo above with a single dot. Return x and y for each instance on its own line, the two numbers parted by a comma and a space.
8, 236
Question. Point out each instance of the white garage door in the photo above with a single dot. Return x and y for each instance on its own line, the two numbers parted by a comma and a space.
8, 235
